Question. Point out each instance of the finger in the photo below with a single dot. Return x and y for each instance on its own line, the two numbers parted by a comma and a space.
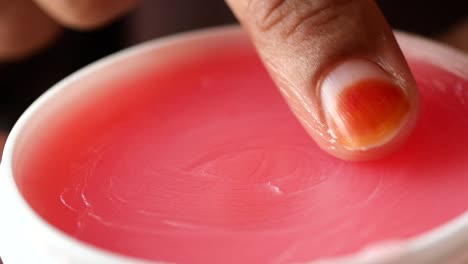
3, 137
457, 36
24, 28
340, 69
85, 14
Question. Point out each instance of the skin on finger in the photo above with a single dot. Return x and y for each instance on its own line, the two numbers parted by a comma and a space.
340, 70
3, 137
457, 36
24, 29
85, 14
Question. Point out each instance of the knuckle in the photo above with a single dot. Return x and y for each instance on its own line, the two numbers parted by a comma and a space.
268, 14
298, 18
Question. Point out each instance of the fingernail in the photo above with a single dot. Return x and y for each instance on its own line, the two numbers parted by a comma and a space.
364, 109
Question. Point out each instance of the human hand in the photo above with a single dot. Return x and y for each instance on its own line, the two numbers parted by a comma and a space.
28, 25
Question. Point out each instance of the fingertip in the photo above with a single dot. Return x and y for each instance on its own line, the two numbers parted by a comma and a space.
20, 37
362, 109
365, 110
86, 14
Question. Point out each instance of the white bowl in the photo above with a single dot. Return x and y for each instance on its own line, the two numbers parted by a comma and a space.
27, 238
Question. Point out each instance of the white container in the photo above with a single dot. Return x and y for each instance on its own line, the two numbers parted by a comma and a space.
25, 238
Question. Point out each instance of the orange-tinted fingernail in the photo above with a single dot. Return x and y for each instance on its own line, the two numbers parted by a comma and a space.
363, 108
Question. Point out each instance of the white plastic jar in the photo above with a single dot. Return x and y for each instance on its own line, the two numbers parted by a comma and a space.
26, 238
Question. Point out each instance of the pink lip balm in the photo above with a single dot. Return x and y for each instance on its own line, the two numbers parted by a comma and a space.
197, 159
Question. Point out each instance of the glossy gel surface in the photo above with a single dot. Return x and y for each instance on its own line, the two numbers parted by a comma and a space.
202, 162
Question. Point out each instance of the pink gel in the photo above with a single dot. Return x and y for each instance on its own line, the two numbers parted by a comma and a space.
204, 163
